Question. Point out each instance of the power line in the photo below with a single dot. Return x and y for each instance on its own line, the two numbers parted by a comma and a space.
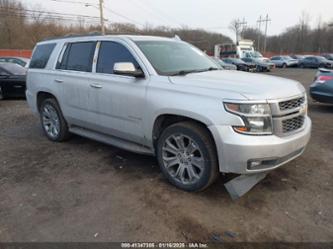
101, 7
123, 16
161, 16
34, 17
48, 13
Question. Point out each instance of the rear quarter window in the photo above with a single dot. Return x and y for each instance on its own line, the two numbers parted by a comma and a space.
41, 55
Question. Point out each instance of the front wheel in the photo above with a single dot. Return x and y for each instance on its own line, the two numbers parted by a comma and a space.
187, 156
53, 122
284, 66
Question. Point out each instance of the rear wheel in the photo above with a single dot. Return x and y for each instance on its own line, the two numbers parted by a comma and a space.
187, 156
53, 122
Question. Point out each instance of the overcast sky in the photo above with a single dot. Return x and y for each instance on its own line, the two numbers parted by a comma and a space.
214, 15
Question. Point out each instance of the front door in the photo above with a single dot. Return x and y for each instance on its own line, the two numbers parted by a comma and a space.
117, 102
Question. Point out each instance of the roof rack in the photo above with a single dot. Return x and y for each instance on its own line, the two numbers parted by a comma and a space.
73, 36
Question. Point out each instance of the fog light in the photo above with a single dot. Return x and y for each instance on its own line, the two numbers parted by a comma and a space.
254, 164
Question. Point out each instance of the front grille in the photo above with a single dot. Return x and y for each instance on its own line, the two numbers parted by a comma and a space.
292, 124
291, 104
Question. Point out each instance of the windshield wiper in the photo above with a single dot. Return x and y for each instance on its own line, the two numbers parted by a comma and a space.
185, 72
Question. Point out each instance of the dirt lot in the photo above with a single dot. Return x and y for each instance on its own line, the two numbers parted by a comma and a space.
82, 190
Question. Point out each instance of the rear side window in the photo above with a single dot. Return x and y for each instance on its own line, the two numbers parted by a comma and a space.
78, 57
111, 53
41, 55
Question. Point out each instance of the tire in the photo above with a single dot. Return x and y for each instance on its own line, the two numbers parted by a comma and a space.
301, 66
53, 123
193, 166
2, 96
284, 65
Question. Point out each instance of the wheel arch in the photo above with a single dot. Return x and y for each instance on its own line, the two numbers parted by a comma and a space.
163, 121
41, 96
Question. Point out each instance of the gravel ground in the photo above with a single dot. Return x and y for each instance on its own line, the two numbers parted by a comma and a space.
82, 190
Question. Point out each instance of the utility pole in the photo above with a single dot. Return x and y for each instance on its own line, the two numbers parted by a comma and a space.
266, 21
101, 16
259, 31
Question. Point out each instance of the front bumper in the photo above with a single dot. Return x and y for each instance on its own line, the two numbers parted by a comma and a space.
236, 151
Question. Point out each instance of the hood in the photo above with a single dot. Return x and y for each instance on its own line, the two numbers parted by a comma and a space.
251, 86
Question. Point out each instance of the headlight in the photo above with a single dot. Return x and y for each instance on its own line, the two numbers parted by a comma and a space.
257, 118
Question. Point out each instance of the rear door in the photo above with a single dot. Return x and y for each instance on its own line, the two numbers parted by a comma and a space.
74, 73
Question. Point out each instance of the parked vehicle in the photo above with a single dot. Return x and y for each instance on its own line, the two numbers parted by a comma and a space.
328, 56
322, 88
315, 62
12, 80
242, 49
256, 55
284, 61
164, 97
236, 50
297, 57
260, 65
22, 61
241, 65
224, 65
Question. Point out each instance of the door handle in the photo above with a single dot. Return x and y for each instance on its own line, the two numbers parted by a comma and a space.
95, 85
58, 81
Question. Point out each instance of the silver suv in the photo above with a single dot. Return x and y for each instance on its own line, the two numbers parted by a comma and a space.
164, 97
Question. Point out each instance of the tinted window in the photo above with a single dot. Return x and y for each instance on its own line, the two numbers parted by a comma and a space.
41, 55
78, 57
111, 53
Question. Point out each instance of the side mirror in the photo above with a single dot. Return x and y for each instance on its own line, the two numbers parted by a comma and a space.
127, 68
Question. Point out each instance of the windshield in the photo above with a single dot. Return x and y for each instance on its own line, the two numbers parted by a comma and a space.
172, 57
321, 58
235, 60
13, 68
255, 54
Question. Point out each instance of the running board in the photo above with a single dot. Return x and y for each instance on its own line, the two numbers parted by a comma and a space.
111, 140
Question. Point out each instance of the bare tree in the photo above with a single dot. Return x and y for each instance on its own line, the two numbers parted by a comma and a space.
235, 27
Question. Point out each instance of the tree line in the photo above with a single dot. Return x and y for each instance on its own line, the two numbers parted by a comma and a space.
300, 38
21, 28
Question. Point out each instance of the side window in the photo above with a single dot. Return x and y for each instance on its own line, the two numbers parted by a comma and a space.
41, 55
111, 53
78, 57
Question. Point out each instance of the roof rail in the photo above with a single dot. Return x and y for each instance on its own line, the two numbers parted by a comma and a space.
73, 36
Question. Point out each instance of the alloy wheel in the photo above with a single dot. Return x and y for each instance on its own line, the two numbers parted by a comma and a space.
183, 159
50, 121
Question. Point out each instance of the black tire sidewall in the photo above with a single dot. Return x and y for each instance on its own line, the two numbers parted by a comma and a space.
63, 133
205, 178
2, 95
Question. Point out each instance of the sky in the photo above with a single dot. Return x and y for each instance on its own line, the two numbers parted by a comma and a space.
212, 15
